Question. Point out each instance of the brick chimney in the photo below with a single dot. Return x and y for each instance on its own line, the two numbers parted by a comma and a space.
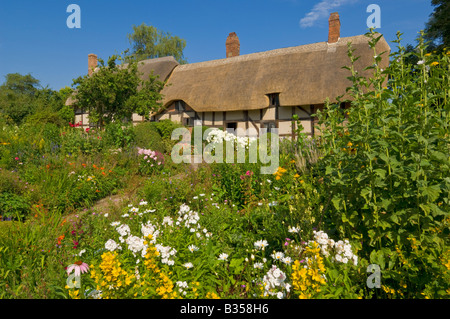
92, 63
232, 44
334, 31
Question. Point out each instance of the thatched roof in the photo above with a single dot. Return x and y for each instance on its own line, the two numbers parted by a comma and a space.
160, 66
303, 75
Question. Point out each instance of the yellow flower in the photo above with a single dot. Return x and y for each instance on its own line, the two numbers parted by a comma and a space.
74, 294
212, 295
296, 175
434, 63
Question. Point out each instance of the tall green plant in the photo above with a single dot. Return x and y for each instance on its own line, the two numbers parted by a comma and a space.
387, 169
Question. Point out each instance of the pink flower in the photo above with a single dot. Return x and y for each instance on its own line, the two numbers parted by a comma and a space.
79, 268
16, 158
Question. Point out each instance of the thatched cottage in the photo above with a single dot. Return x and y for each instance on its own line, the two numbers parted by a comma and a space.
259, 90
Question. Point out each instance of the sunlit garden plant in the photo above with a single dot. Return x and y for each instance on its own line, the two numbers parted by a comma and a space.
386, 170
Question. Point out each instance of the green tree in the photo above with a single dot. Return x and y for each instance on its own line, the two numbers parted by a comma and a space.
438, 27
115, 92
148, 42
18, 96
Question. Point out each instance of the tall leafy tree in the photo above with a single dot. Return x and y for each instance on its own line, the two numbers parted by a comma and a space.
148, 42
438, 27
116, 91
18, 96
23, 99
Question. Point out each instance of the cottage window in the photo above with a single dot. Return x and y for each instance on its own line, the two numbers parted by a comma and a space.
274, 99
179, 106
232, 125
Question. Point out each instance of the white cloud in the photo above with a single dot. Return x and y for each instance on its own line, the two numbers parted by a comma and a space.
322, 10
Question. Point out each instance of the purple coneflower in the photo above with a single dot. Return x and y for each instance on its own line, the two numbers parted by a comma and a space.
79, 267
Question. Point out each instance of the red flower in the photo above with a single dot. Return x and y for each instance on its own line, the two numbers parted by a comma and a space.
87, 130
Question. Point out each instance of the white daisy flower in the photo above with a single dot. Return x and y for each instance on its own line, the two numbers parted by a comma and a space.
188, 265
223, 256
261, 244
192, 248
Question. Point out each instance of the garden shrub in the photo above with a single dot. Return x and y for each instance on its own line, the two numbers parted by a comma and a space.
118, 135
165, 129
148, 136
46, 115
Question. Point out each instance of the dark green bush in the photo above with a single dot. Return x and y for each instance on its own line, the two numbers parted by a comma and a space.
147, 136
45, 115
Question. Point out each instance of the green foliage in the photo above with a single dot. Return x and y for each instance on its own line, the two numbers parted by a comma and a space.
119, 135
386, 170
115, 92
166, 127
77, 142
377, 176
150, 162
21, 98
21, 84
47, 115
438, 26
17, 96
31, 265
13, 206
147, 136
149, 43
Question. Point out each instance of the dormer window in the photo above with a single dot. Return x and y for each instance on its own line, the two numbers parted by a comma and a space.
179, 106
274, 99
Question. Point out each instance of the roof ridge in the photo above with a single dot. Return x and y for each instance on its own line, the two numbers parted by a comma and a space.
318, 46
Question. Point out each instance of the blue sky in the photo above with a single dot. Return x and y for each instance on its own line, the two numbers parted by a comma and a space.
35, 39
